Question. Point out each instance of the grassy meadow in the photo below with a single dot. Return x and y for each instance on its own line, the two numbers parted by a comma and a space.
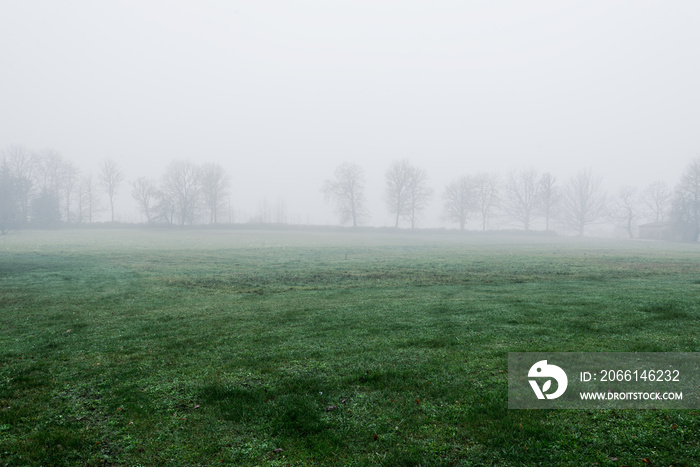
201, 347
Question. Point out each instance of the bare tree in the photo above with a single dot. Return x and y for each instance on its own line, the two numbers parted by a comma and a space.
549, 197
522, 202
164, 208
397, 187
347, 191
69, 178
21, 166
418, 195
145, 193
9, 205
56, 179
584, 201
686, 202
406, 191
111, 176
181, 189
626, 210
460, 200
49, 171
487, 196
215, 188
657, 198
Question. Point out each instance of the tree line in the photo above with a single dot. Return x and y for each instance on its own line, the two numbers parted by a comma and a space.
521, 199
42, 189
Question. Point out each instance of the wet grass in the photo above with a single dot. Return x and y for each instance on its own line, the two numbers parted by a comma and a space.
299, 348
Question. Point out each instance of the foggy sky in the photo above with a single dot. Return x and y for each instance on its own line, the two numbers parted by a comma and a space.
281, 92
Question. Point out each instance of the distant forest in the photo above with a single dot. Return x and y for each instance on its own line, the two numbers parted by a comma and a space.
44, 189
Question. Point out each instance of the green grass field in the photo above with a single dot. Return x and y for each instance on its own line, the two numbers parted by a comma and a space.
201, 347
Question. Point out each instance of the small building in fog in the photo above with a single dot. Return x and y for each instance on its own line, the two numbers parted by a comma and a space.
669, 231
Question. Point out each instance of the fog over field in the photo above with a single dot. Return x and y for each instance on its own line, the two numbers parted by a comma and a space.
281, 93
349, 232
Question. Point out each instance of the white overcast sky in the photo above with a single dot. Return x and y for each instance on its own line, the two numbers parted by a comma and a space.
281, 92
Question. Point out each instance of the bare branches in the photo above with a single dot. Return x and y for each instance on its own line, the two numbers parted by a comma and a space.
626, 208
407, 192
145, 193
347, 191
550, 196
523, 197
584, 201
657, 198
215, 184
181, 190
21, 165
9, 212
111, 176
460, 200
686, 202
397, 186
487, 196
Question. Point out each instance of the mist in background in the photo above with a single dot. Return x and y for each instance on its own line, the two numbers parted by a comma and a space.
282, 93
